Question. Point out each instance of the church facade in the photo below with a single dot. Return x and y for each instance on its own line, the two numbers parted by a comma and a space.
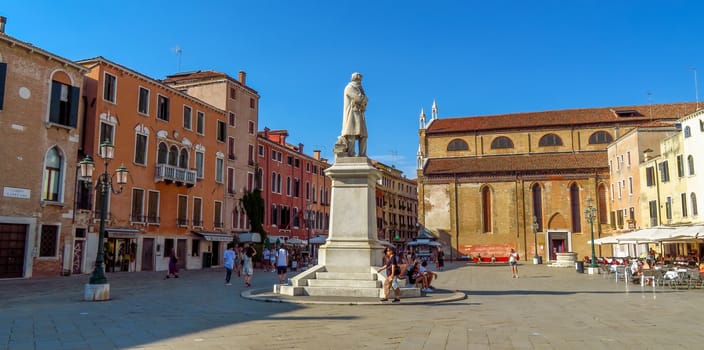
523, 180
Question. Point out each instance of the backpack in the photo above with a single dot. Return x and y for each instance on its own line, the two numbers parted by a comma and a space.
411, 272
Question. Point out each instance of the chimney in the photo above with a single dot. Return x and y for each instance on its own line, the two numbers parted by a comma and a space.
3, 20
316, 154
300, 148
266, 133
243, 77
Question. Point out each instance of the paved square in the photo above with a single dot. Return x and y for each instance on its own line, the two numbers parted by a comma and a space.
546, 308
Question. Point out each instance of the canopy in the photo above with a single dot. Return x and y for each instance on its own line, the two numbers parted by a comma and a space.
296, 241
681, 233
318, 240
249, 237
214, 236
424, 242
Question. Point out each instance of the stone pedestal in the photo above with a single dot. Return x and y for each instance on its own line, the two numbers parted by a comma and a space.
565, 260
593, 270
96, 292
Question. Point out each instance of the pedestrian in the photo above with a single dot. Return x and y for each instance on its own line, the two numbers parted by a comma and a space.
229, 259
393, 270
440, 259
173, 267
248, 268
513, 261
272, 259
281, 263
240, 260
265, 259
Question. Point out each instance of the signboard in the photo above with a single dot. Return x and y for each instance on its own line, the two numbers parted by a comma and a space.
13, 192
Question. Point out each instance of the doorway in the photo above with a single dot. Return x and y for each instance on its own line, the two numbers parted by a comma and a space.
12, 244
148, 254
558, 242
216, 253
181, 253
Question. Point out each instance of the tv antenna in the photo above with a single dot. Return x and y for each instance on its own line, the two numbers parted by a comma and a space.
696, 86
650, 104
177, 50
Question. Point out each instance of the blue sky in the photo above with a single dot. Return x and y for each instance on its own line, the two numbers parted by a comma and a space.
473, 57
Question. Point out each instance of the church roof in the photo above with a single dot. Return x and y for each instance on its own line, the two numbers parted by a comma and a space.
561, 118
517, 163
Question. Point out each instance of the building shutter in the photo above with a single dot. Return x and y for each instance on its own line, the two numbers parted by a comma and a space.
3, 71
73, 108
54, 103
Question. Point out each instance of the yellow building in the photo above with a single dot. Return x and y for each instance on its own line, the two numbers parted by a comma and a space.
396, 205
492, 181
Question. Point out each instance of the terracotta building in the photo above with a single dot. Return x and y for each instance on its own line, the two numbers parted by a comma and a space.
40, 128
396, 204
175, 147
241, 105
292, 185
491, 181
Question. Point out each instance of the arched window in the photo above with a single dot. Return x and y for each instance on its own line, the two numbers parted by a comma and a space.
550, 140
183, 159
575, 209
173, 156
457, 145
695, 211
690, 163
501, 142
53, 166
600, 137
687, 131
162, 154
486, 209
538, 206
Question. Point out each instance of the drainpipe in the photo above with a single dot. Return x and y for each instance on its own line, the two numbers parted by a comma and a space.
457, 222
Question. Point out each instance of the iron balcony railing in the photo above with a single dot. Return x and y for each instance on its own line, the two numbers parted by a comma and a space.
170, 173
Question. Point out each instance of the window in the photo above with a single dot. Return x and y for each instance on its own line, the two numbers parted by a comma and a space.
231, 148
501, 142
297, 163
486, 210
168, 246
687, 131
140, 149
153, 207
683, 198
232, 119
162, 107
183, 159
230, 180
273, 182
252, 104
575, 209
296, 188
199, 164
250, 181
200, 123
307, 190
680, 165
288, 186
187, 117
538, 206
457, 145
173, 156
550, 140
162, 153
668, 208
289, 160
653, 209
695, 211
63, 106
233, 93
195, 247
600, 137
137, 214
664, 172
260, 150
53, 169
49, 241
630, 186
217, 211
628, 157
3, 73
690, 164
143, 101
107, 133
250, 154
222, 131
251, 127
182, 218
603, 219
274, 216
620, 190
83, 194
219, 164
197, 212
110, 88
650, 176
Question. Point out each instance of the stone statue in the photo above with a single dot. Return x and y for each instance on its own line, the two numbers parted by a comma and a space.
354, 125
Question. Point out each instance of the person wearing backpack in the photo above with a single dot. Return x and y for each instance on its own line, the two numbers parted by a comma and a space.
393, 271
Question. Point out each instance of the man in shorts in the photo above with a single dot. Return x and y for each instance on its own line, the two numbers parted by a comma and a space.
281, 263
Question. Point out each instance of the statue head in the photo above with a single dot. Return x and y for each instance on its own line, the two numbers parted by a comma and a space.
356, 77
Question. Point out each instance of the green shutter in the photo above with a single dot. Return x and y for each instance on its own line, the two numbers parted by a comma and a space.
3, 71
54, 102
73, 108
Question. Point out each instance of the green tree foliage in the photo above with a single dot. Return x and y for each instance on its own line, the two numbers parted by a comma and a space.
253, 204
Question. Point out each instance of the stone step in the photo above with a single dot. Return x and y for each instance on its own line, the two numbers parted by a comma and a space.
363, 276
342, 291
344, 283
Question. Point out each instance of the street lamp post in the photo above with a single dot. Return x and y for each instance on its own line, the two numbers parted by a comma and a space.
536, 257
590, 214
309, 218
98, 288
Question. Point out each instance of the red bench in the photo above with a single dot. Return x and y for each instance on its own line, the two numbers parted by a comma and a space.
497, 259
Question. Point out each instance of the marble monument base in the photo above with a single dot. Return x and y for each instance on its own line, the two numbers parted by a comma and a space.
96, 292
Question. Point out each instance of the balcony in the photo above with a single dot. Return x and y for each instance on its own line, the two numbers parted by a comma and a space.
170, 173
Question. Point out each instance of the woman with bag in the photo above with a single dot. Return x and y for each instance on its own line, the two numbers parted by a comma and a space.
173, 267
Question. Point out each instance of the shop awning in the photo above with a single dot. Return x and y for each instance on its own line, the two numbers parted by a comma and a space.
249, 237
120, 232
214, 236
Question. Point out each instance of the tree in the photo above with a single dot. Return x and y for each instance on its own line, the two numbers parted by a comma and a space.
253, 205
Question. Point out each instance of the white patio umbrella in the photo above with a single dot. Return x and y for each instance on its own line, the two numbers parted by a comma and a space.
319, 240
295, 241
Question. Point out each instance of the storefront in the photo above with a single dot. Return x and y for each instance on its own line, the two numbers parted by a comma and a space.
120, 251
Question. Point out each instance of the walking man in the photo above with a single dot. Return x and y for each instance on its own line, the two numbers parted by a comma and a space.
229, 258
281, 263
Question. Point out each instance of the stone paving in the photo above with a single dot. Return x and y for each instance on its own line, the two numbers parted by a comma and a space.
546, 308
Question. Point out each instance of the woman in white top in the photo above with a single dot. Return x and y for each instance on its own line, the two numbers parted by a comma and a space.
513, 261
248, 268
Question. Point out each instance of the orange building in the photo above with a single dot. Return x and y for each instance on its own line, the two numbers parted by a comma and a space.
174, 146
40, 127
